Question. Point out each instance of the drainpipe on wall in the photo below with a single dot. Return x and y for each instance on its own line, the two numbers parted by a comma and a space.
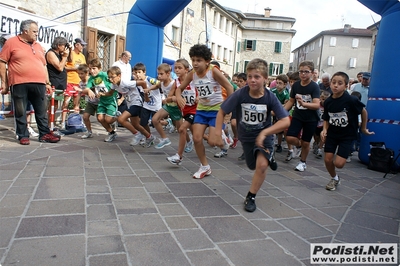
84, 18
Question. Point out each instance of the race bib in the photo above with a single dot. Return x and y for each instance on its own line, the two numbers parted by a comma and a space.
189, 96
254, 114
204, 90
306, 98
338, 119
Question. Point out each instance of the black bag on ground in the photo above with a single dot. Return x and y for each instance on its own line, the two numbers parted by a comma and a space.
380, 157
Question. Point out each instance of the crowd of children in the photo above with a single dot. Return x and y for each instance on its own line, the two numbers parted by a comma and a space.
201, 103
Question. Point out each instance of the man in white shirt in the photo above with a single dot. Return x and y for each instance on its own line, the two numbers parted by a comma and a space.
123, 64
363, 87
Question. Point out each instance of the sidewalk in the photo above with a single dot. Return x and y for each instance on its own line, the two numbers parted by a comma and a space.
88, 202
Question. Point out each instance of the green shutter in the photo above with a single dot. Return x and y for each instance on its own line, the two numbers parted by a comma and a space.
271, 65
245, 66
278, 47
238, 47
245, 45
254, 45
280, 69
237, 67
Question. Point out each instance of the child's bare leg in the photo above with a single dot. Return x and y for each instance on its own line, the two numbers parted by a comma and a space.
65, 109
86, 121
156, 120
329, 164
123, 120
198, 132
259, 173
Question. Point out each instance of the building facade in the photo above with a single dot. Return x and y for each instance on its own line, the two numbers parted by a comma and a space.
346, 49
233, 37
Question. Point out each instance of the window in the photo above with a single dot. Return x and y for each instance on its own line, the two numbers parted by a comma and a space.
353, 62
215, 18
251, 23
238, 47
318, 61
275, 69
278, 47
219, 52
225, 58
279, 26
228, 24
313, 46
245, 66
331, 60
354, 43
320, 42
213, 49
221, 22
250, 45
175, 33
332, 41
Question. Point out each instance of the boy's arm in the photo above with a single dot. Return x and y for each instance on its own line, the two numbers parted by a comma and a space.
289, 104
324, 131
179, 99
279, 126
222, 80
364, 119
171, 95
153, 87
216, 139
314, 105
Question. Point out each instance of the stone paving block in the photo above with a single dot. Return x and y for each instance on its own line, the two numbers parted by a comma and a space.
98, 199
161, 198
193, 239
7, 229
148, 179
318, 217
129, 193
54, 251
351, 233
4, 185
275, 208
232, 198
207, 257
115, 163
292, 243
103, 228
13, 211
372, 221
167, 177
9, 174
104, 245
96, 182
379, 204
124, 181
180, 222
96, 175
305, 227
51, 226
54, 207
134, 207
207, 206
268, 225
59, 188
258, 252
97, 189
108, 260
156, 187
171, 209
142, 224
14, 200
120, 171
234, 228
146, 250
55, 171
335, 212
294, 203
100, 212
190, 189
24, 182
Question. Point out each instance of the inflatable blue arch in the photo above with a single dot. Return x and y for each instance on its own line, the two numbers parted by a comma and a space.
384, 92
145, 30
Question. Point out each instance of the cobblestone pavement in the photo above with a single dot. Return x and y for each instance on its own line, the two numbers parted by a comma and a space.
88, 202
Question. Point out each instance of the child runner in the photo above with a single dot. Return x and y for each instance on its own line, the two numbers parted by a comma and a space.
168, 107
318, 144
208, 81
189, 111
107, 107
253, 105
341, 112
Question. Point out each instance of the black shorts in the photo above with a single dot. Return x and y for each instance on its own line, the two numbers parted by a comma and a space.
189, 118
250, 152
318, 131
343, 146
145, 115
308, 129
135, 110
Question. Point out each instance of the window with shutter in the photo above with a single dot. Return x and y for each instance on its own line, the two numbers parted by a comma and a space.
278, 47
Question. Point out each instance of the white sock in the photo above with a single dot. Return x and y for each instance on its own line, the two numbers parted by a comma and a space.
336, 177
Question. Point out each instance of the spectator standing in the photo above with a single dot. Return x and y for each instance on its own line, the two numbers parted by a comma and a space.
28, 79
325, 84
363, 87
56, 59
124, 65
76, 58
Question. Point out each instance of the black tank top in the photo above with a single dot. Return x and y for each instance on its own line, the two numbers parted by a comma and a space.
57, 78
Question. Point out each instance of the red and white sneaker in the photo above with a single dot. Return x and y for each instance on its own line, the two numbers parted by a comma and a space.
49, 137
202, 172
234, 144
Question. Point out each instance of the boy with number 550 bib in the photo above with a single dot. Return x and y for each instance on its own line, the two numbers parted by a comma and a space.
253, 105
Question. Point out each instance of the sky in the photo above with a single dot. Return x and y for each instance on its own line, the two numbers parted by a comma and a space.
312, 16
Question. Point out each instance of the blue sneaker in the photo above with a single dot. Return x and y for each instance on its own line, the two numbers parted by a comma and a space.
189, 146
163, 143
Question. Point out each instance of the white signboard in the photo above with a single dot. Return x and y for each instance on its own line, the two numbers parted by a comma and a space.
10, 22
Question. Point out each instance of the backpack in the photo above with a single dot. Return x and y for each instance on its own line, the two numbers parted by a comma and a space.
381, 159
75, 122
